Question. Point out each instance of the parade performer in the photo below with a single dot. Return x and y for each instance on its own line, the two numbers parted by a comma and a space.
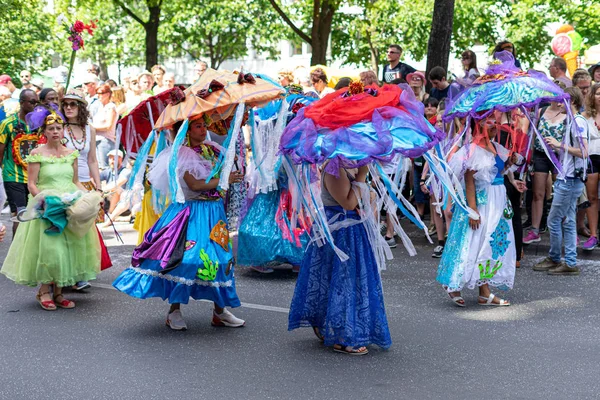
266, 237
60, 245
139, 138
339, 292
187, 253
481, 252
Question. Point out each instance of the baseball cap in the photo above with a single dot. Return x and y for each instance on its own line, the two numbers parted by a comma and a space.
118, 153
4, 79
89, 78
38, 83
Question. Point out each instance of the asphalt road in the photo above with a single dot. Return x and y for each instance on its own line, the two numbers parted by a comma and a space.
545, 346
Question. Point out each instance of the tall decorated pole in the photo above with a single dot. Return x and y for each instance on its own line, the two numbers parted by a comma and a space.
75, 32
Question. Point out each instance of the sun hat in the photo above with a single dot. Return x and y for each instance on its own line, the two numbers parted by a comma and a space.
74, 94
416, 73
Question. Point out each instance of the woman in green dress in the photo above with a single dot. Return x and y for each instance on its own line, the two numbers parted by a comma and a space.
42, 253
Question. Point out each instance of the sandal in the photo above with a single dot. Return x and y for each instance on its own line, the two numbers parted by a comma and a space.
318, 334
64, 303
458, 300
351, 351
489, 301
47, 305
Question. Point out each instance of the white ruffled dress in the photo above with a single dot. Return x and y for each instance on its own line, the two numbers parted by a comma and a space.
487, 255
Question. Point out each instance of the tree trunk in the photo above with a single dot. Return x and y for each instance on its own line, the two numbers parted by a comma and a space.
374, 52
438, 48
321, 29
151, 28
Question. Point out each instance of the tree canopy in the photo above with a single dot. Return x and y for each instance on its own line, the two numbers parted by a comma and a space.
352, 31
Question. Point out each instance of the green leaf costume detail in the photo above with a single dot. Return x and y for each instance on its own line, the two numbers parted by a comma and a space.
487, 272
209, 273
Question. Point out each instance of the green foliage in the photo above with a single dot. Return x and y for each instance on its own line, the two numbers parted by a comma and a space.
26, 34
222, 30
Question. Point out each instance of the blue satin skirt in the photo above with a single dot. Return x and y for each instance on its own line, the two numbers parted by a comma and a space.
260, 239
206, 270
343, 299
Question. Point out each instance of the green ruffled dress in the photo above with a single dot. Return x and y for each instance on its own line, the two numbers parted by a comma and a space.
36, 257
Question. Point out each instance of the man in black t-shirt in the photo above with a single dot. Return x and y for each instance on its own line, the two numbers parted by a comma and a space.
441, 88
395, 69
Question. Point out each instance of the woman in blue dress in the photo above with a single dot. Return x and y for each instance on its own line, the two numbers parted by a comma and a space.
187, 253
342, 300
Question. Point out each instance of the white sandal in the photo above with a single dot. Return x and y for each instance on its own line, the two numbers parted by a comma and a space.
457, 300
489, 301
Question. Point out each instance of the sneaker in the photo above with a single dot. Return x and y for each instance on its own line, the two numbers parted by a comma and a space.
590, 244
531, 237
391, 242
526, 224
544, 229
437, 252
81, 286
563, 269
227, 319
546, 264
175, 321
382, 229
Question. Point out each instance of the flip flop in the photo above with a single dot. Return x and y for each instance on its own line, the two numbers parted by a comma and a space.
349, 350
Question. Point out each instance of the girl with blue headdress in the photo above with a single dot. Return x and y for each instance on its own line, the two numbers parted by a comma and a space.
267, 237
481, 252
57, 243
187, 253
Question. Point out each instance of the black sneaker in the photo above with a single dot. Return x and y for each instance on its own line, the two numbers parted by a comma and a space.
437, 252
391, 242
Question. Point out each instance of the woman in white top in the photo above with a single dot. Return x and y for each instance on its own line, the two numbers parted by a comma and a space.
319, 81
105, 123
80, 136
592, 113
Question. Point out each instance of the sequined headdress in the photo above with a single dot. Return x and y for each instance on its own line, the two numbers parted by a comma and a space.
44, 115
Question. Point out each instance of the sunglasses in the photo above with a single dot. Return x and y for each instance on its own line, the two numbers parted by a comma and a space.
466, 58
393, 52
70, 104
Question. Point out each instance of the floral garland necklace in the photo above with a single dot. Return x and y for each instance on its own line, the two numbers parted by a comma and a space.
77, 142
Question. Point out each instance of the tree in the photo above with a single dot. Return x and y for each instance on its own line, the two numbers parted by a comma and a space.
153, 9
27, 40
321, 17
438, 46
223, 30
